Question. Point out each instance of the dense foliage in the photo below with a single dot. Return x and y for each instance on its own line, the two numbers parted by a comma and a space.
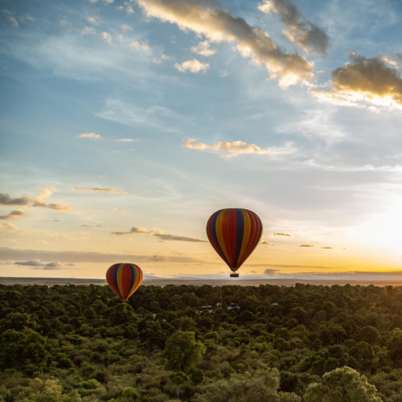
201, 344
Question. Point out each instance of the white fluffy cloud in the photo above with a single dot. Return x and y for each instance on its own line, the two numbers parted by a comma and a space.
107, 37
297, 30
217, 25
139, 45
203, 48
237, 148
192, 66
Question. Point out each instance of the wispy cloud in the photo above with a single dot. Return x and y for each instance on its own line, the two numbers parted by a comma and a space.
159, 234
90, 136
237, 148
12, 215
203, 48
38, 201
365, 82
217, 25
297, 30
37, 264
134, 115
99, 189
306, 245
126, 140
192, 66
282, 234
67, 256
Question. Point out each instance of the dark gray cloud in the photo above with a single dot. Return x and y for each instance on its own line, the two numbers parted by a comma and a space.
6, 199
297, 30
38, 201
37, 264
374, 81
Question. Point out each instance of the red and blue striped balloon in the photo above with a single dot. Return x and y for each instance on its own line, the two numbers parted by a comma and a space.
234, 233
124, 279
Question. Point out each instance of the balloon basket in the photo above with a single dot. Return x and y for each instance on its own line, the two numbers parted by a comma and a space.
234, 275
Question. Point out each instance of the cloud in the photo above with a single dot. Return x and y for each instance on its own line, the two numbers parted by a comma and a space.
281, 234
125, 28
159, 234
203, 48
237, 148
127, 7
217, 25
297, 30
365, 81
5, 199
88, 31
104, 190
133, 115
126, 140
270, 271
66, 256
327, 248
38, 201
107, 2
37, 264
93, 20
139, 45
306, 245
165, 236
107, 37
192, 66
12, 215
90, 136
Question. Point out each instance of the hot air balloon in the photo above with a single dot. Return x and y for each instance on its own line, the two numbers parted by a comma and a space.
234, 233
124, 279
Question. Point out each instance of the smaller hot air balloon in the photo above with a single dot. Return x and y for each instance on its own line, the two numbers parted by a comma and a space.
234, 233
124, 279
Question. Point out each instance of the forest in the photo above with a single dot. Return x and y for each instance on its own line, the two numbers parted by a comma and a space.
201, 344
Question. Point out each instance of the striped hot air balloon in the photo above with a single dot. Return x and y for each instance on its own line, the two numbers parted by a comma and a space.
124, 279
234, 233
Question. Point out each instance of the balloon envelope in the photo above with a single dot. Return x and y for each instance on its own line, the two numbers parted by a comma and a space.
124, 279
234, 233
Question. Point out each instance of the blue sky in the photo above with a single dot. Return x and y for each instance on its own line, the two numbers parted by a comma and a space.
153, 114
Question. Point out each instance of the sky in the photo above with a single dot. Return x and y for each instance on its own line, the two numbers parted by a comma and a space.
125, 124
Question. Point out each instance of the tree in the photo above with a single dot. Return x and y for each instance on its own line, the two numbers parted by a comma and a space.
395, 346
342, 384
183, 351
261, 386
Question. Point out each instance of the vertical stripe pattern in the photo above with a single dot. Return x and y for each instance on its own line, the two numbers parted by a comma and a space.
124, 279
234, 233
